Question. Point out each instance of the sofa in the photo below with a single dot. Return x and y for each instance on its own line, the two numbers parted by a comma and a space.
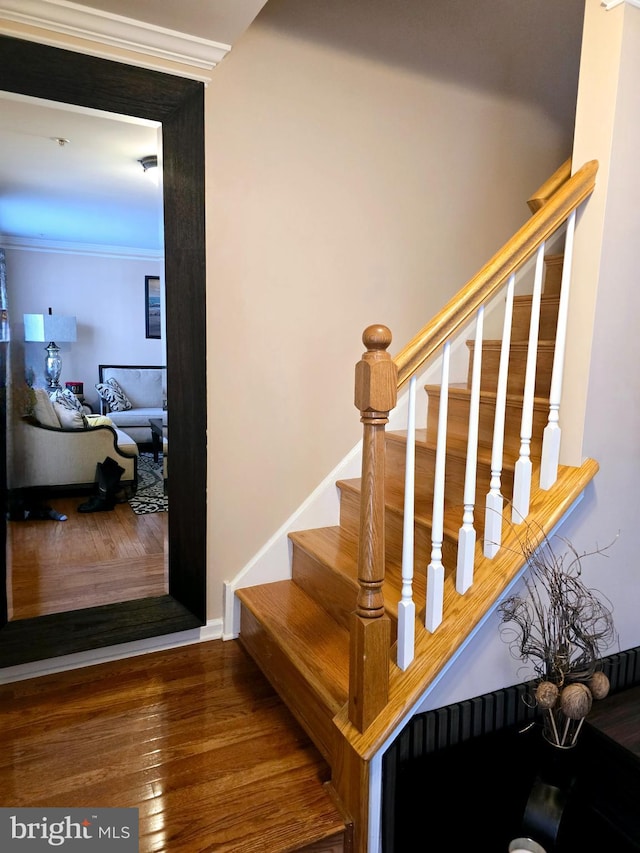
57, 449
132, 394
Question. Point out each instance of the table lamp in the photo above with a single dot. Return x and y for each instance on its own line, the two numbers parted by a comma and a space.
50, 327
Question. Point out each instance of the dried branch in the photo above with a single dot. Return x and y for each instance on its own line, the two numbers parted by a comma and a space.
560, 627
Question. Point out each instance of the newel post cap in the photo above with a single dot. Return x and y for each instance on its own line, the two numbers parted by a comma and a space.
376, 385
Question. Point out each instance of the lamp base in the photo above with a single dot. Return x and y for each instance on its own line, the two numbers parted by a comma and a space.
53, 366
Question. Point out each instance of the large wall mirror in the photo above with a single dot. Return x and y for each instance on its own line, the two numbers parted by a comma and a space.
39, 71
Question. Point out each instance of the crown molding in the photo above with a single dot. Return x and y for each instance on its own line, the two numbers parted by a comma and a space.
611, 4
35, 244
108, 31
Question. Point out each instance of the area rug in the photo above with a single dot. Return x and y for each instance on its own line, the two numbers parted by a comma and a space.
150, 496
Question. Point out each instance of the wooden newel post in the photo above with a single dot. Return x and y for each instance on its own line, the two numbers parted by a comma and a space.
375, 395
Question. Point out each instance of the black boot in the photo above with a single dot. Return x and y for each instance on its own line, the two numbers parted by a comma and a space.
108, 475
112, 474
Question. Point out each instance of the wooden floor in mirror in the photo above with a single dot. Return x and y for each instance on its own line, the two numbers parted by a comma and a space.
87, 560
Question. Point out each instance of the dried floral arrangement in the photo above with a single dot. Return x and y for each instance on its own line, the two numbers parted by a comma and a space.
561, 629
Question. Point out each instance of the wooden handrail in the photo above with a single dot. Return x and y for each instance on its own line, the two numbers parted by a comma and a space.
492, 276
550, 187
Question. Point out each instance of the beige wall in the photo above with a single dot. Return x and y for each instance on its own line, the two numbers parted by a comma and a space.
361, 166
601, 405
595, 121
612, 422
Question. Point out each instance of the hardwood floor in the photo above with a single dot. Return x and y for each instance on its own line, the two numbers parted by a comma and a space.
194, 737
87, 560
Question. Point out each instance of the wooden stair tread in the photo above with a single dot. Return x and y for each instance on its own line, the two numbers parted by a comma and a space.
456, 446
452, 518
339, 549
456, 453
497, 342
333, 545
462, 391
459, 409
525, 298
316, 645
290, 810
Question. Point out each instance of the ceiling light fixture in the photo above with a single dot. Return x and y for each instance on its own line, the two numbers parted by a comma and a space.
150, 162
150, 167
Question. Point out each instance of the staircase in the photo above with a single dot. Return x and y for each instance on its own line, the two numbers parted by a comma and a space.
303, 633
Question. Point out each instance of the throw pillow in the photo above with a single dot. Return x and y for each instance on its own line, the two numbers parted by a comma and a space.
43, 410
113, 394
70, 418
66, 398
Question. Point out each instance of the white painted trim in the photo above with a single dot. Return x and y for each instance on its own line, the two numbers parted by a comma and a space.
374, 839
109, 30
103, 52
611, 4
30, 244
211, 631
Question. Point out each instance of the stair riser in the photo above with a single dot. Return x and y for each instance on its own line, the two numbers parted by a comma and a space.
517, 367
553, 274
333, 590
286, 680
455, 469
350, 520
338, 843
336, 592
458, 422
522, 318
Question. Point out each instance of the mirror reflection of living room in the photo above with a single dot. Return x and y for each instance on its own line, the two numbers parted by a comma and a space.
62, 444
87, 412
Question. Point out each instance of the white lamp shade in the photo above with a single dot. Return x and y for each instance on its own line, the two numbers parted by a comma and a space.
49, 327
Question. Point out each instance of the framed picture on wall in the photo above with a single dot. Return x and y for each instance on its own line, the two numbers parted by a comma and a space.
152, 305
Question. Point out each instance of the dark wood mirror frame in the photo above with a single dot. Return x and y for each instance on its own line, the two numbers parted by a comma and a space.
29, 68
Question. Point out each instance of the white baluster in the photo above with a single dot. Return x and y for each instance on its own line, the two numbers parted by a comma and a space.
406, 606
552, 431
435, 570
467, 534
494, 502
522, 473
